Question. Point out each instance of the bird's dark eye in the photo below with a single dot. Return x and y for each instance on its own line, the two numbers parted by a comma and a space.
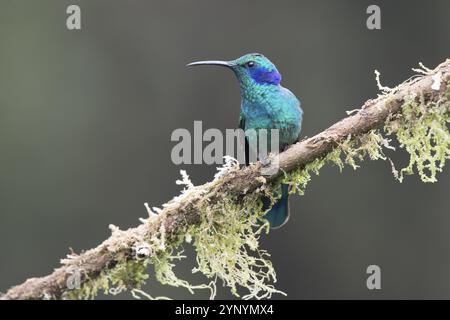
250, 64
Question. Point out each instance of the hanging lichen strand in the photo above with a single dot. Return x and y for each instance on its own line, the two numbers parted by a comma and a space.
226, 239
422, 130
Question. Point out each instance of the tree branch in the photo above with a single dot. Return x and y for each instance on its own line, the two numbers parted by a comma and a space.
178, 215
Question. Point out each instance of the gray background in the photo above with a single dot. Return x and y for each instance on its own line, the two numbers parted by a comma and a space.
86, 118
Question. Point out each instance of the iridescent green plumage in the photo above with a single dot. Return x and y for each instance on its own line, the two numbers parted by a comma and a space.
265, 104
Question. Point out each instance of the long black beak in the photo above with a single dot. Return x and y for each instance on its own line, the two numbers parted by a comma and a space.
211, 63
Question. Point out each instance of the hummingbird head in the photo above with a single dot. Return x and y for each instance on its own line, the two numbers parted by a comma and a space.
250, 69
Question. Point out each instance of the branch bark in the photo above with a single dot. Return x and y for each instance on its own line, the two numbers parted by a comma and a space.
177, 215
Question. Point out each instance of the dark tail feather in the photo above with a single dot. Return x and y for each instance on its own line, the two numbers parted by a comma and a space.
279, 213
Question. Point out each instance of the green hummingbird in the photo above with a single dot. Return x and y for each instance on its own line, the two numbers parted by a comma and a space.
265, 104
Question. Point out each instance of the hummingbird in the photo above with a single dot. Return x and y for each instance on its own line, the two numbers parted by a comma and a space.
265, 104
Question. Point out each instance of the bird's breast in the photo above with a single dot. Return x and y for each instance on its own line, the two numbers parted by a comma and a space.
279, 112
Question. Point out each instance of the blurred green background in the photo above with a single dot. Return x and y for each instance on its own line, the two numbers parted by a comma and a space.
86, 118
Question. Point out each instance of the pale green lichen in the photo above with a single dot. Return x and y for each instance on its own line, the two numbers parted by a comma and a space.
350, 152
421, 129
226, 242
227, 246
164, 273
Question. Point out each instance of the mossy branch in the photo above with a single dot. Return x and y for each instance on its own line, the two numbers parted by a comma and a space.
222, 218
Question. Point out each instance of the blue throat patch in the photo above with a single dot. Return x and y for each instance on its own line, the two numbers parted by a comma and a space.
264, 76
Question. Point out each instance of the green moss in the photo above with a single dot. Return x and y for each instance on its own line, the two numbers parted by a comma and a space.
447, 93
89, 289
127, 274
